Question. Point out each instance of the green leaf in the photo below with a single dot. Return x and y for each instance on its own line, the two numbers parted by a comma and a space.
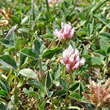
86, 48
24, 20
5, 69
2, 107
23, 30
97, 6
76, 74
34, 94
49, 53
57, 73
105, 34
4, 85
36, 84
30, 53
82, 15
49, 94
90, 29
3, 93
81, 89
63, 83
39, 46
74, 86
96, 60
86, 75
108, 51
7, 43
8, 62
101, 18
28, 73
103, 45
42, 106
47, 36
48, 80
75, 96
81, 32
60, 93
101, 52
22, 59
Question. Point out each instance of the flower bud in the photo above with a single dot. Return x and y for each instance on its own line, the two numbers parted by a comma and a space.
66, 33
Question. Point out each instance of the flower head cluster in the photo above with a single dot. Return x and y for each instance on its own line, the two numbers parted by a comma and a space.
66, 33
71, 59
52, 2
99, 95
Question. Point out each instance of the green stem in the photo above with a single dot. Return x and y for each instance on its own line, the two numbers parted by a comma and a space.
41, 72
66, 97
105, 67
33, 11
74, 2
15, 92
106, 61
48, 12
71, 78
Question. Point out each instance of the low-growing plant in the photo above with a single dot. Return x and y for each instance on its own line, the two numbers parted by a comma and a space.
49, 51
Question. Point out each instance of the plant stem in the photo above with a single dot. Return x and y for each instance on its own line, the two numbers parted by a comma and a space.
71, 78
48, 12
105, 67
33, 13
8, 77
52, 42
66, 97
74, 2
15, 91
106, 61
41, 72
58, 43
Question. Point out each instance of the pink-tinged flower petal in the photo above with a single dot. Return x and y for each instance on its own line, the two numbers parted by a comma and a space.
76, 52
65, 53
71, 33
69, 27
49, 0
62, 25
68, 68
56, 33
75, 66
66, 32
77, 58
70, 50
60, 36
62, 61
71, 59
82, 61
